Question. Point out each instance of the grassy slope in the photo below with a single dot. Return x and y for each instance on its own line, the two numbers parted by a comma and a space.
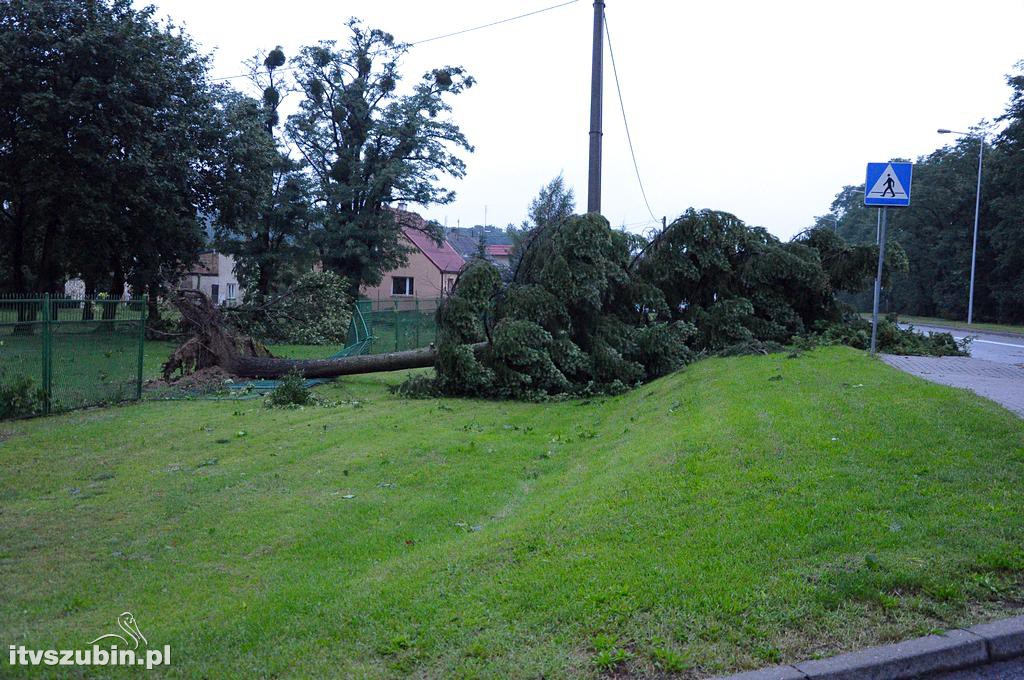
716, 519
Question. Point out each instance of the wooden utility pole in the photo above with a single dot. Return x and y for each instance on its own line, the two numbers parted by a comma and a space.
596, 98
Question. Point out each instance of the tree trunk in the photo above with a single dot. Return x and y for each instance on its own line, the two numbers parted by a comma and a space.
116, 293
152, 306
268, 367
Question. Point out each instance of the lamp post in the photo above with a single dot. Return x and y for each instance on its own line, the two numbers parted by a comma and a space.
977, 206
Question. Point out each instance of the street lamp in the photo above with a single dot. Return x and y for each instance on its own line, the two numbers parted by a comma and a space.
835, 221
977, 205
878, 219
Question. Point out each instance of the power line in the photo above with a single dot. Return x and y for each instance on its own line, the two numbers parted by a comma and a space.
495, 23
625, 122
436, 37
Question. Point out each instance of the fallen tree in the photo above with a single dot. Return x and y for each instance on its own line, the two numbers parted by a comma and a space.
214, 342
274, 367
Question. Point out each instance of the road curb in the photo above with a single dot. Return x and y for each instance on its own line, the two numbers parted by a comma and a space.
953, 650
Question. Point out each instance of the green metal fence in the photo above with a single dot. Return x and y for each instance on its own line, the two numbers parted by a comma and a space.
80, 352
400, 324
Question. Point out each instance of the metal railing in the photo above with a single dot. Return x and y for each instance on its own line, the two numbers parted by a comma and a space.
76, 352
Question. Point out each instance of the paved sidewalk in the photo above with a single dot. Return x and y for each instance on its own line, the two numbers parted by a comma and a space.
1002, 383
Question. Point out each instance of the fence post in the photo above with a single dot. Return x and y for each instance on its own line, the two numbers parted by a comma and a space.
47, 356
398, 323
142, 343
418, 323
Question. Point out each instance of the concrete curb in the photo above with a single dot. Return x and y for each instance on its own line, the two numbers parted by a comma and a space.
950, 651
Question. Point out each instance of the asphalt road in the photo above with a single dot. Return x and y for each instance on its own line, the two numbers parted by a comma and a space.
1004, 349
1006, 670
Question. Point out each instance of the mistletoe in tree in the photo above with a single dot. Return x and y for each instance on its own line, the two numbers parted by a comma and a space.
367, 145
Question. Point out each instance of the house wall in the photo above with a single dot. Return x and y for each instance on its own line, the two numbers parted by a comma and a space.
428, 282
224, 279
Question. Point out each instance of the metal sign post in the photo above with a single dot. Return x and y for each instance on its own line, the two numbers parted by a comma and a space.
878, 280
888, 184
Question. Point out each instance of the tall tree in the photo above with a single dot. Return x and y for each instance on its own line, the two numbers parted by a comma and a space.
367, 146
264, 208
110, 136
553, 203
1005, 280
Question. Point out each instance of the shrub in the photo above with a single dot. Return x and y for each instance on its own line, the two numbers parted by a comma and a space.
317, 310
20, 398
291, 392
571, 322
855, 331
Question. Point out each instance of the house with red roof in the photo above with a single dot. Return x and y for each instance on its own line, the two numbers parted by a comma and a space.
428, 274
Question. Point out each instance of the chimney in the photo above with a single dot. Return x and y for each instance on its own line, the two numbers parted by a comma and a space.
402, 205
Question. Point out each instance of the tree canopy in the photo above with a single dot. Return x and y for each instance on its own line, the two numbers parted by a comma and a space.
367, 144
593, 310
109, 141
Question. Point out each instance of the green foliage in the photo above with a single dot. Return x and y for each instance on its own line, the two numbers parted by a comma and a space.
110, 139
608, 660
419, 386
316, 310
265, 214
367, 146
590, 310
572, 321
855, 331
21, 398
936, 232
750, 348
166, 323
291, 392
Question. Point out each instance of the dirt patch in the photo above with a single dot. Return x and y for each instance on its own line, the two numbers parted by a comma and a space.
205, 380
5, 435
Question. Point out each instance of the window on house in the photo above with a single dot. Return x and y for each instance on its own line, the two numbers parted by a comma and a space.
215, 293
401, 285
231, 291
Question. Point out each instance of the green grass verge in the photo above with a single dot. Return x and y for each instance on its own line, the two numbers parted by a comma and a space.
947, 323
741, 512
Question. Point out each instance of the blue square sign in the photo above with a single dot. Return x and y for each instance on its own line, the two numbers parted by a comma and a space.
888, 184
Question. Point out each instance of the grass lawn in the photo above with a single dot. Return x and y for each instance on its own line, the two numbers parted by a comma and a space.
90, 364
742, 512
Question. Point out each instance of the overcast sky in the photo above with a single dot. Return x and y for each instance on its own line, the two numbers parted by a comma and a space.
763, 109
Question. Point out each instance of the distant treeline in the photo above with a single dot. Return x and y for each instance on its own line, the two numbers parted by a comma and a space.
937, 229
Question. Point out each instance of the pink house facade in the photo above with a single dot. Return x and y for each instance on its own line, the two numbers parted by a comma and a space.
428, 274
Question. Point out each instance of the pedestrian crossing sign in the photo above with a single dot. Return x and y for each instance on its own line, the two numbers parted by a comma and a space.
888, 184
